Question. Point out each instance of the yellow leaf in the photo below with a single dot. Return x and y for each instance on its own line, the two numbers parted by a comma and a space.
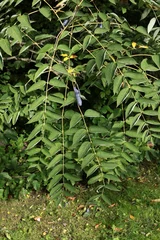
142, 46
132, 217
73, 56
65, 59
71, 71
134, 44
64, 55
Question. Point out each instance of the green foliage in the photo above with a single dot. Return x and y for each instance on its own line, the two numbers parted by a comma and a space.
77, 50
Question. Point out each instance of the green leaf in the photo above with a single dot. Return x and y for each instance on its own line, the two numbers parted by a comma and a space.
54, 181
37, 85
46, 48
103, 16
90, 66
92, 113
155, 129
37, 102
33, 151
100, 30
47, 155
92, 170
151, 24
106, 155
35, 131
70, 188
135, 119
6, 47
54, 135
36, 117
106, 199
130, 108
147, 66
112, 177
150, 112
63, 47
159, 113
15, 117
5, 175
95, 179
86, 41
76, 118
40, 71
79, 135
34, 142
104, 143
123, 94
55, 160
127, 157
97, 129
111, 187
1, 61
34, 2
46, 12
52, 115
134, 134
117, 83
99, 58
87, 160
33, 159
24, 21
108, 73
142, 30
83, 150
15, 33
72, 178
55, 99
126, 61
56, 147
131, 147
57, 83
56, 191
55, 171
109, 165
60, 69
156, 60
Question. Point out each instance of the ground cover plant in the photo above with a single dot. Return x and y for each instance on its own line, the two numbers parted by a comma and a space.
133, 214
79, 94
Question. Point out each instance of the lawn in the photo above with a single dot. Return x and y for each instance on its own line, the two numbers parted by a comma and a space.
134, 214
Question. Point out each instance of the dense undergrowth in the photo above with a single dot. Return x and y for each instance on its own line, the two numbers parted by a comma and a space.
79, 99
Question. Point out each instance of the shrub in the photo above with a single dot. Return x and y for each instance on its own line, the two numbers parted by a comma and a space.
84, 79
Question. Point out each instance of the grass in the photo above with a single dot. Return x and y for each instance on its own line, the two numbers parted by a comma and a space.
134, 214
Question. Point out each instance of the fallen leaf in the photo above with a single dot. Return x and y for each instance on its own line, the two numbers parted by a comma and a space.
44, 233
112, 205
38, 219
132, 217
71, 198
155, 200
80, 207
97, 225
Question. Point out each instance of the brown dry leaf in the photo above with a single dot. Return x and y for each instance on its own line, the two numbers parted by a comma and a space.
112, 205
71, 198
80, 207
116, 229
132, 217
155, 200
38, 218
97, 225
